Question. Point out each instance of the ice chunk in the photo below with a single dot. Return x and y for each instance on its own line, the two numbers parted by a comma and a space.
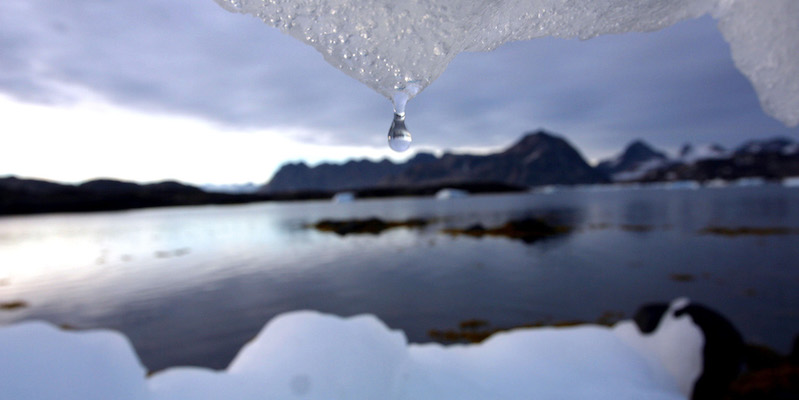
399, 48
676, 345
40, 361
310, 355
764, 40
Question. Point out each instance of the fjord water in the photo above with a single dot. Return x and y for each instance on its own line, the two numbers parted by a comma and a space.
191, 285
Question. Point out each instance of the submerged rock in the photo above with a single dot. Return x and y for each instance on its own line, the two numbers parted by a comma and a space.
13, 305
372, 226
528, 230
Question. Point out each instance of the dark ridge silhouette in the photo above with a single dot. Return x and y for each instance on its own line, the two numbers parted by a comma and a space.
537, 159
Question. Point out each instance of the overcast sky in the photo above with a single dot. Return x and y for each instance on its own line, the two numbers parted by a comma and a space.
150, 90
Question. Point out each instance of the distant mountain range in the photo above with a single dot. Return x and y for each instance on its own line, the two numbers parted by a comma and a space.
770, 159
537, 159
541, 159
30, 196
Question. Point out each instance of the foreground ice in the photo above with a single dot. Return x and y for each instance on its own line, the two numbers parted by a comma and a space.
311, 355
399, 48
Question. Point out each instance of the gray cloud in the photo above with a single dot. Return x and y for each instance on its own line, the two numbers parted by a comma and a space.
193, 58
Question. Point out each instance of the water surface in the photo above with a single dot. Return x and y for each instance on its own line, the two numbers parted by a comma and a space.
190, 285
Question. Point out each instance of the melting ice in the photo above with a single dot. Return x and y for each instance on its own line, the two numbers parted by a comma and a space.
309, 355
399, 138
399, 48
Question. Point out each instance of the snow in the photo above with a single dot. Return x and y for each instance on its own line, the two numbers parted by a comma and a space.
706, 151
640, 170
310, 355
399, 48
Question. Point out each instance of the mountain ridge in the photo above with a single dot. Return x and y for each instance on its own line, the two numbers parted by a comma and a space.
538, 158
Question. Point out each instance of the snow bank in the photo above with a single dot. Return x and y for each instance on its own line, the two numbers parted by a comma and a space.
310, 355
399, 48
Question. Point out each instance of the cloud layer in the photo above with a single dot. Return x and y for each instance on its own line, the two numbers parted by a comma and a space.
192, 58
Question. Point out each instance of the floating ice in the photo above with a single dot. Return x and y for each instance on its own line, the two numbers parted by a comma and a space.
399, 48
310, 355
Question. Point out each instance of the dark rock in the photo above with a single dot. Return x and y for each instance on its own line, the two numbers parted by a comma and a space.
722, 355
372, 226
794, 356
758, 357
648, 317
528, 230
13, 305
723, 351
476, 230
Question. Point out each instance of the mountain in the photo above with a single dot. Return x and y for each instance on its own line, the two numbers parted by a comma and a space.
352, 175
691, 154
781, 145
30, 196
635, 161
537, 159
775, 158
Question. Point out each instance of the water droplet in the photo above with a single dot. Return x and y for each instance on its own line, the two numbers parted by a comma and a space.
399, 138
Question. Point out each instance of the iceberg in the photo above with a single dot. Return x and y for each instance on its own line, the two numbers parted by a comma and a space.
310, 355
343, 197
451, 193
399, 48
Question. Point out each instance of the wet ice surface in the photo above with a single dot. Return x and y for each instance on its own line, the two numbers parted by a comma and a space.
311, 355
398, 49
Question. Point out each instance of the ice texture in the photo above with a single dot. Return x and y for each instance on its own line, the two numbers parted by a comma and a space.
40, 361
310, 355
764, 40
399, 48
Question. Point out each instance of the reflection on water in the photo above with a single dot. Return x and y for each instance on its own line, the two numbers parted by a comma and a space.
190, 285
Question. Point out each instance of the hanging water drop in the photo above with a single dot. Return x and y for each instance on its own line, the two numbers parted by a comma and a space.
399, 138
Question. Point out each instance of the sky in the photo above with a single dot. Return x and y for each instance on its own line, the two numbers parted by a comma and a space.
183, 90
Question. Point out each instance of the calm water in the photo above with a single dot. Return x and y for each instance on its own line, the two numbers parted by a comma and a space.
191, 285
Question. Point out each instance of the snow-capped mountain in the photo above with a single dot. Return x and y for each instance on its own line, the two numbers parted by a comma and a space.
634, 162
690, 154
781, 145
